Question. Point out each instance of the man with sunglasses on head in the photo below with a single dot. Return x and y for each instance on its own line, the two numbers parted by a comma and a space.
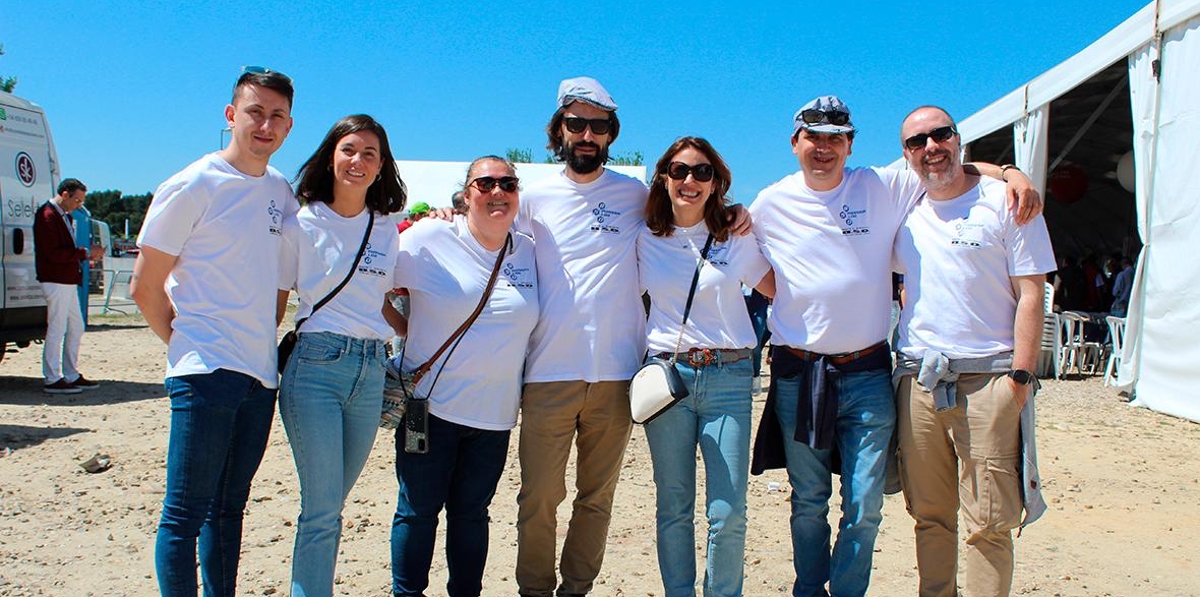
827, 232
585, 347
205, 281
966, 356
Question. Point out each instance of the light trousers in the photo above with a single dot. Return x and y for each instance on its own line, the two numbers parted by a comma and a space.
64, 330
965, 459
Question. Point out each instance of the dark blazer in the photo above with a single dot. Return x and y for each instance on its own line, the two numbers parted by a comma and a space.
56, 257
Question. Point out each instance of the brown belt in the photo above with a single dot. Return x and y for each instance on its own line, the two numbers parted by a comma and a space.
836, 359
699, 357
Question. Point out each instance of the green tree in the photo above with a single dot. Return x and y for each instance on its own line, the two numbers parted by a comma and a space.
7, 84
519, 155
632, 158
115, 208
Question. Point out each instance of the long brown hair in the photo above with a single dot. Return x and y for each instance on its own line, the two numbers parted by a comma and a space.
386, 195
659, 216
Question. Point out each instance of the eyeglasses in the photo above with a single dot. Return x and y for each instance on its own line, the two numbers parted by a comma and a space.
485, 184
262, 70
834, 117
600, 126
938, 134
700, 172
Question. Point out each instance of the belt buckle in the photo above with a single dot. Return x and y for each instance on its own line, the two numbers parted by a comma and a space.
699, 357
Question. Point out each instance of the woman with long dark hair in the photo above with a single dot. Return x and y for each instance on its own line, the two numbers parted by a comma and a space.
688, 227
332, 387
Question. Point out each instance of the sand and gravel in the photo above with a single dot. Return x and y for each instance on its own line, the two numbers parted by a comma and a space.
1123, 486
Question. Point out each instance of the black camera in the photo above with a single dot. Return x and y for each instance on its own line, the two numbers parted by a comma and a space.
416, 426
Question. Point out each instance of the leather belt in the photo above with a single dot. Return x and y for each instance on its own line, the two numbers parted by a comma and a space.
700, 357
836, 359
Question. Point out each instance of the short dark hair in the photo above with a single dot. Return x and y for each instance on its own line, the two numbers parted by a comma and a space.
555, 137
275, 81
659, 217
387, 194
70, 185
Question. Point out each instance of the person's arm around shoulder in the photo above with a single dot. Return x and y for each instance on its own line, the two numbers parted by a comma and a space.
148, 287
1023, 198
1027, 331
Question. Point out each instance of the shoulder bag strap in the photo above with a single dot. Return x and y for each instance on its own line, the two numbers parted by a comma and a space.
362, 248
462, 329
687, 309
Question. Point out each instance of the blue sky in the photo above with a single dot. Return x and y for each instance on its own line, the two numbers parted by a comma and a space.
135, 91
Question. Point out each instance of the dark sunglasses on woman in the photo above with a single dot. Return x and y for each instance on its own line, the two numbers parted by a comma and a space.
700, 172
485, 184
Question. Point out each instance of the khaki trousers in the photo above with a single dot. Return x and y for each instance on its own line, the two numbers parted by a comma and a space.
966, 458
596, 416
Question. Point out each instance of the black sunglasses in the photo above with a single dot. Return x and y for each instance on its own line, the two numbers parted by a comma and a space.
938, 134
700, 172
834, 117
262, 70
600, 126
485, 184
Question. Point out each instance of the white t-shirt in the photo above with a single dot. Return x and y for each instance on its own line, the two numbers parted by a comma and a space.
225, 227
446, 271
318, 247
831, 251
718, 318
957, 257
592, 322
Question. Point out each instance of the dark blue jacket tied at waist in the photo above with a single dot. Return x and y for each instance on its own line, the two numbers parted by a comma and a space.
817, 404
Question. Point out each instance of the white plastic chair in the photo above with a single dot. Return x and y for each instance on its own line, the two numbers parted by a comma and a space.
1048, 299
1077, 352
1116, 331
1051, 347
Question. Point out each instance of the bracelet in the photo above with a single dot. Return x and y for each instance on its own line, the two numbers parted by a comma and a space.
1006, 168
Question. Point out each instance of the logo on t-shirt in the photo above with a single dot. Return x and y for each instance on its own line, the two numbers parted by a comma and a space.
276, 217
967, 234
518, 277
854, 221
604, 219
369, 262
718, 255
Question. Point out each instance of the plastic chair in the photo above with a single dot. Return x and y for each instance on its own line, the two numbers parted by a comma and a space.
1116, 331
1077, 351
1048, 299
1051, 347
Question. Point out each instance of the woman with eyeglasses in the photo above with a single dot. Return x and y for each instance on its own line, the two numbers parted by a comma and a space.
473, 388
687, 227
332, 386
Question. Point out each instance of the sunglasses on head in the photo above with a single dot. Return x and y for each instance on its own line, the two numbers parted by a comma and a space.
834, 117
600, 126
700, 172
262, 70
938, 134
485, 184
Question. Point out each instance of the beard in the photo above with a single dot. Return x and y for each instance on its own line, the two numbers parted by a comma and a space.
585, 164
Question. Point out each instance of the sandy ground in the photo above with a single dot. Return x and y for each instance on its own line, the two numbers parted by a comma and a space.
1122, 484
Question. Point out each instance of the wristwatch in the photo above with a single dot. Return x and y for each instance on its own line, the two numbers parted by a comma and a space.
1004, 170
1022, 376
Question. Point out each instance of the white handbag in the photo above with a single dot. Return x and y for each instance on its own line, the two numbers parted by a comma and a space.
657, 386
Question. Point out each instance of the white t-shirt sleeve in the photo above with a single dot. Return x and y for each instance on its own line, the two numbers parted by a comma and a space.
1029, 248
172, 216
289, 256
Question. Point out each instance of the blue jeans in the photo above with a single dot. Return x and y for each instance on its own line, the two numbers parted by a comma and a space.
716, 417
460, 474
865, 421
220, 423
329, 398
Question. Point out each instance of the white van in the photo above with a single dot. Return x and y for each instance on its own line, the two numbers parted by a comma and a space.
28, 176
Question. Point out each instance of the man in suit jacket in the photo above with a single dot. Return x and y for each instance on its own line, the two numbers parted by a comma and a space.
58, 262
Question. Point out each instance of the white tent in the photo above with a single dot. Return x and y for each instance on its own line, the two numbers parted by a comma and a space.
435, 182
1157, 53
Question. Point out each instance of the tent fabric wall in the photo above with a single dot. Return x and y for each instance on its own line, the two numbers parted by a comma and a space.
1029, 143
1169, 356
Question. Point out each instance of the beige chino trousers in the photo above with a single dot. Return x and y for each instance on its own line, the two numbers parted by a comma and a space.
964, 459
596, 416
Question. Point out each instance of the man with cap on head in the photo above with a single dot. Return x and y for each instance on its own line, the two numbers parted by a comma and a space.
965, 359
419, 210
585, 347
827, 232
